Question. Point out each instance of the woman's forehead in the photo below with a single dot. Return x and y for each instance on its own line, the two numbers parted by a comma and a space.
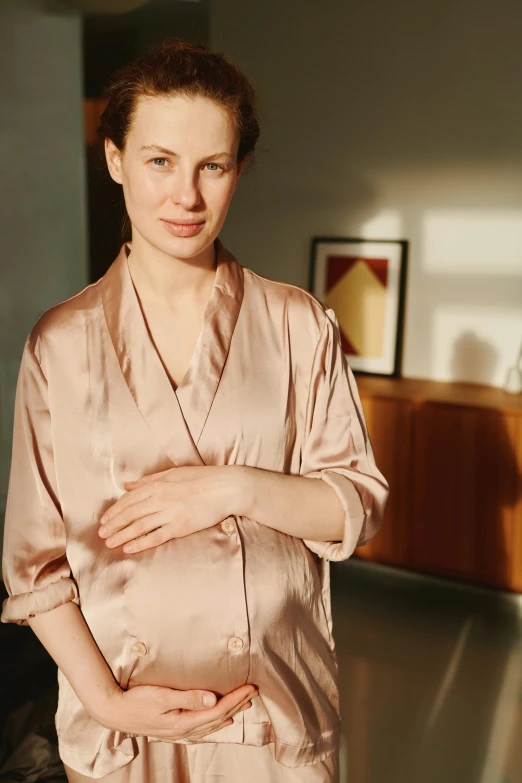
180, 116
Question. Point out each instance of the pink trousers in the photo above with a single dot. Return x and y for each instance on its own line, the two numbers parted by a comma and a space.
163, 762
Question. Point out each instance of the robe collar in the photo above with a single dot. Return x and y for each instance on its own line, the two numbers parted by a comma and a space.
176, 417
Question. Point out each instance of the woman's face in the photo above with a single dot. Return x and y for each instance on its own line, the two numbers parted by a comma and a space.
178, 171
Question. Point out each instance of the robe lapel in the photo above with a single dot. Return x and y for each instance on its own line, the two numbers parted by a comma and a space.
176, 418
141, 366
198, 388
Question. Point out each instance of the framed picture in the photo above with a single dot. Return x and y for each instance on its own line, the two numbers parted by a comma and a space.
364, 282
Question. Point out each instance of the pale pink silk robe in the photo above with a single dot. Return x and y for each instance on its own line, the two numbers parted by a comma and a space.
268, 387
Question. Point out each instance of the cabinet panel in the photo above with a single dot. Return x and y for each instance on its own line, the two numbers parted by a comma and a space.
390, 424
497, 478
464, 493
516, 508
453, 456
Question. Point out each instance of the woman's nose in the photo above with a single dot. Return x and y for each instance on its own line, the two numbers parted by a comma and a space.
185, 192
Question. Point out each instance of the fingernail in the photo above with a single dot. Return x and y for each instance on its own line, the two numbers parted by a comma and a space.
209, 700
102, 531
128, 548
110, 541
103, 519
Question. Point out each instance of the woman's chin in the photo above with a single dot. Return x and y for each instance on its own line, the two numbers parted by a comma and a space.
186, 247
160, 236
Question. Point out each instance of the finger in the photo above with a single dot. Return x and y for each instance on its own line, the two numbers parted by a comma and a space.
137, 530
151, 540
124, 504
210, 728
239, 708
125, 501
228, 705
192, 700
134, 522
198, 721
231, 712
145, 479
236, 698
199, 734
200, 728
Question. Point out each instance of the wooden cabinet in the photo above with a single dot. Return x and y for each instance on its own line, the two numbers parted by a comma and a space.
390, 423
452, 454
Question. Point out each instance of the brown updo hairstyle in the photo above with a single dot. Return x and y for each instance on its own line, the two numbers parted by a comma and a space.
177, 67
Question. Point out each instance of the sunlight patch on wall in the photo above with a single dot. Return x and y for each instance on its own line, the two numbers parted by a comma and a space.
387, 224
462, 241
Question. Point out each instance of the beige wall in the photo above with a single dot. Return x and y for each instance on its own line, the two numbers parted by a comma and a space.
42, 188
392, 120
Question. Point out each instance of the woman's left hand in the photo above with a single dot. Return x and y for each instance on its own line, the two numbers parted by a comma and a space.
170, 504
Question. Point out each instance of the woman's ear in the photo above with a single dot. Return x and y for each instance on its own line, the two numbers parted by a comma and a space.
113, 158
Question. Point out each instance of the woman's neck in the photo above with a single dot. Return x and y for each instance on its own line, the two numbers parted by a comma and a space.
170, 282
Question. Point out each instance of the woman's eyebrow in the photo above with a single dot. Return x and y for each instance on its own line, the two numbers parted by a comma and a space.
165, 151
155, 148
224, 155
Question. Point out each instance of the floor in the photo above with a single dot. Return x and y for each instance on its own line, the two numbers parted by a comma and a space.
431, 680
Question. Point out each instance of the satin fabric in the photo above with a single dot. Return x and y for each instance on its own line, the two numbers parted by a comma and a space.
213, 763
267, 386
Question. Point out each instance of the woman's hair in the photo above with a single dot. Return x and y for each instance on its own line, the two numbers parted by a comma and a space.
177, 67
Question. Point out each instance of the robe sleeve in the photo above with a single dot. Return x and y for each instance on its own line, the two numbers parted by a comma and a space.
34, 564
337, 447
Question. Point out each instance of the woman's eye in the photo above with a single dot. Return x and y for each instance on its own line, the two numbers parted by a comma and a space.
214, 166
161, 161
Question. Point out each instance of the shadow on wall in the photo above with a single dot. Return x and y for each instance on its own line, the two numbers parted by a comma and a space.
462, 302
473, 357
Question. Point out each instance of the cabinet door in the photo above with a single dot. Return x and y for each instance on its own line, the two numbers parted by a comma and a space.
465, 482
390, 424
514, 506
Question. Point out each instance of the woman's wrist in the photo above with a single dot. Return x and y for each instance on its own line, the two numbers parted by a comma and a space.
104, 702
237, 487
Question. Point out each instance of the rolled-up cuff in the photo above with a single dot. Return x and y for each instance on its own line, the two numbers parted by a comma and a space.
17, 608
354, 517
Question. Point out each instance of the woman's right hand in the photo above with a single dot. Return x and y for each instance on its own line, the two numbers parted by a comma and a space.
155, 711
145, 710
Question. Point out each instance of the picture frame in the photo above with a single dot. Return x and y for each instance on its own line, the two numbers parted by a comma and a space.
364, 282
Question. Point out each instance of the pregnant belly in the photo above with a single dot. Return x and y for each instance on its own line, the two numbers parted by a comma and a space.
177, 615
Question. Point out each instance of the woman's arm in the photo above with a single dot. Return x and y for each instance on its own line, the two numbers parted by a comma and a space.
142, 710
181, 501
298, 506
66, 637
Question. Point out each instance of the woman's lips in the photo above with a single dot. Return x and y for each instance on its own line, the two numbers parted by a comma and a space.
183, 229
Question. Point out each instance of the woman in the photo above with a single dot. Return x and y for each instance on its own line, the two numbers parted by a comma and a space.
190, 406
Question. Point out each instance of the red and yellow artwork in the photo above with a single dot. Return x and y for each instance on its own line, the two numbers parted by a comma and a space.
356, 289
364, 283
